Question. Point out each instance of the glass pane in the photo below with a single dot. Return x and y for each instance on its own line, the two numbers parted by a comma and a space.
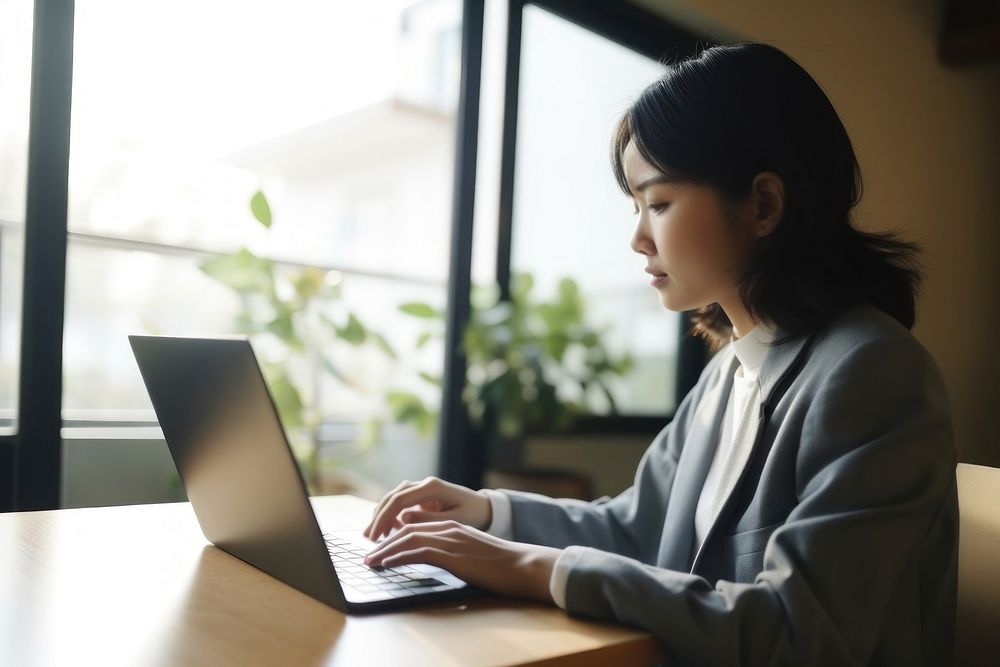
296, 183
111, 293
343, 111
167, 293
571, 220
15, 88
488, 152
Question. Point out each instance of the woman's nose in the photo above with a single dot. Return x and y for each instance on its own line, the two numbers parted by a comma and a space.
641, 242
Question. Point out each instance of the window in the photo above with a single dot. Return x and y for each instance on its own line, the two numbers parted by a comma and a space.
569, 217
224, 171
15, 85
343, 116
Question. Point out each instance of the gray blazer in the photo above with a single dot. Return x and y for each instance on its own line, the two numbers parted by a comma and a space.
838, 545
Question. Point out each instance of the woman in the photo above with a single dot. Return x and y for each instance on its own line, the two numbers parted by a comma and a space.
801, 506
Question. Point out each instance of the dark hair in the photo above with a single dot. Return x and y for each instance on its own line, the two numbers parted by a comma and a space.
732, 111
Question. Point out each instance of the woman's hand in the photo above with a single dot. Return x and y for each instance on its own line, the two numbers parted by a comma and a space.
489, 562
432, 499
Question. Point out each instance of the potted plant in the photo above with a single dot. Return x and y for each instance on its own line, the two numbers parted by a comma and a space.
299, 311
524, 359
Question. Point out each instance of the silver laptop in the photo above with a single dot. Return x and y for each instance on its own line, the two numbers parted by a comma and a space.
238, 470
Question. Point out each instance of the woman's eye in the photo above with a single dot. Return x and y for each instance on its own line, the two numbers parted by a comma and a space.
655, 208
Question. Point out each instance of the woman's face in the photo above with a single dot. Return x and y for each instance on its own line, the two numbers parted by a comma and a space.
688, 233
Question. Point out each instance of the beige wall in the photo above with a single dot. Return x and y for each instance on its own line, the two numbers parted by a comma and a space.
928, 140
609, 461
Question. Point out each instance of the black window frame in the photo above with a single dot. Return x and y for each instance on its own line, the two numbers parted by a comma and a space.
650, 35
31, 458
628, 25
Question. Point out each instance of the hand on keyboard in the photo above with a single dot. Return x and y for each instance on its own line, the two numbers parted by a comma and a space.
363, 581
432, 499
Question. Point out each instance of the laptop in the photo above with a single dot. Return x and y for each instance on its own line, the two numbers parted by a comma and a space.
241, 477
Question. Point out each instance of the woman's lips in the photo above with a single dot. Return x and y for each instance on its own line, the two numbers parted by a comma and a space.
658, 279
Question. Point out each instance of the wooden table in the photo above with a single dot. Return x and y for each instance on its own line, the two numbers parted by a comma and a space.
140, 585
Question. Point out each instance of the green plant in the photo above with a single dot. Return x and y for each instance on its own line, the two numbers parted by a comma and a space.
300, 308
519, 352
521, 356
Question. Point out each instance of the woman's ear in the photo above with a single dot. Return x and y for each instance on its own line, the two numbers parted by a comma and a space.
768, 196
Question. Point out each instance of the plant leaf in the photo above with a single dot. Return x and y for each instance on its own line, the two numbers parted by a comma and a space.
335, 372
607, 393
521, 284
354, 332
624, 364
418, 309
287, 400
406, 406
308, 282
243, 271
433, 379
371, 430
260, 208
383, 344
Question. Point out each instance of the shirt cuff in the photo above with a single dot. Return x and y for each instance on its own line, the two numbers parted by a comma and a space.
500, 526
560, 573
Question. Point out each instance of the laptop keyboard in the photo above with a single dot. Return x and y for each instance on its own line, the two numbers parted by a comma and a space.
367, 583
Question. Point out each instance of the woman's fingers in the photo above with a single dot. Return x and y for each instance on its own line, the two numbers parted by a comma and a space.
378, 508
410, 495
481, 559
412, 515
389, 511
441, 533
427, 554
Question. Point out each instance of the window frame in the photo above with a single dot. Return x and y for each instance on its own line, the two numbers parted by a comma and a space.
31, 457
646, 33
